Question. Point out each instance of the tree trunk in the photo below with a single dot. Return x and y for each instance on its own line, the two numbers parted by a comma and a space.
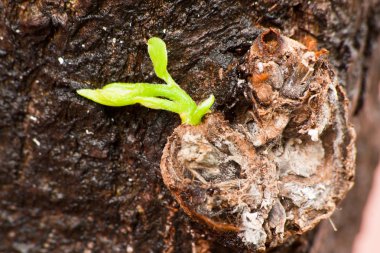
76, 176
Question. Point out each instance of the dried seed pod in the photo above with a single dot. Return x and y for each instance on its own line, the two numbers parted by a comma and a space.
215, 175
275, 171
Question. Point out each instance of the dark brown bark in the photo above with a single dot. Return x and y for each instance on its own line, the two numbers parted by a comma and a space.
78, 176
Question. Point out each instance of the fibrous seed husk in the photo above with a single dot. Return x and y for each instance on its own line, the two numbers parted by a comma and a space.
279, 168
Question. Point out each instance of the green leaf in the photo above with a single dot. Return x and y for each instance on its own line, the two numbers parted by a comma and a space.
158, 55
201, 110
110, 97
168, 96
154, 96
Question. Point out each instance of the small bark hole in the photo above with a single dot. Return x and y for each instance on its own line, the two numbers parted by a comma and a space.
270, 37
271, 41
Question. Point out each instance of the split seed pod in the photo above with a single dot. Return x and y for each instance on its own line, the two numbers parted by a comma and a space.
279, 168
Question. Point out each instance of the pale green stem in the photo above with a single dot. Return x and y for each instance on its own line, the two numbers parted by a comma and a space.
159, 104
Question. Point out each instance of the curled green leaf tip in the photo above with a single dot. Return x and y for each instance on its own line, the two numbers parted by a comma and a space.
169, 96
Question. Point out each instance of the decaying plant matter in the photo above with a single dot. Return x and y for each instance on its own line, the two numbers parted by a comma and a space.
276, 169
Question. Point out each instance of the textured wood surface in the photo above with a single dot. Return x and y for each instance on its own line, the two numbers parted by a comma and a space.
80, 177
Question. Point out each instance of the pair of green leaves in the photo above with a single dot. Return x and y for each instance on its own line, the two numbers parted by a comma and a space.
169, 96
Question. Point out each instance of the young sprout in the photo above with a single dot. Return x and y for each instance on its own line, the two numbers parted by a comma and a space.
169, 96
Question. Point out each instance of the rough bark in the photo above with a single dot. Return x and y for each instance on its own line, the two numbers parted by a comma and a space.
76, 176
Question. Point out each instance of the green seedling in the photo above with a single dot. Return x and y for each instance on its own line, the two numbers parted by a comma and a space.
169, 96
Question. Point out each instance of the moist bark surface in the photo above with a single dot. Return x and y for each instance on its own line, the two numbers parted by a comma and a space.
76, 176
